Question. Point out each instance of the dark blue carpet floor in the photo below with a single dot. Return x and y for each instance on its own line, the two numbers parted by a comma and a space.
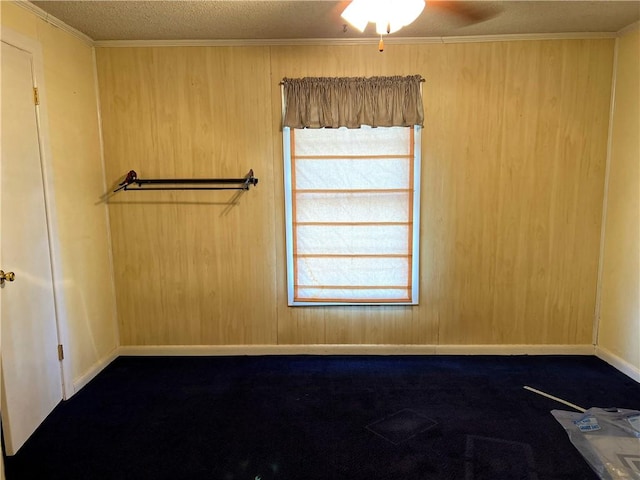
322, 418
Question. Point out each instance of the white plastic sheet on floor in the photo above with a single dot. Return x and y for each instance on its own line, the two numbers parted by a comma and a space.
608, 439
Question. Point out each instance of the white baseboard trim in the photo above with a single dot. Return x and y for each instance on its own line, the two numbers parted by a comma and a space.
615, 361
249, 350
212, 350
515, 350
256, 350
94, 370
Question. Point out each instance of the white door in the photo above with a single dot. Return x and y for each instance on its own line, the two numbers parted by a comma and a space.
31, 371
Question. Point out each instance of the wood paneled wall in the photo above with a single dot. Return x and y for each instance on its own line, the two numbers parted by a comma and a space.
619, 326
191, 267
514, 149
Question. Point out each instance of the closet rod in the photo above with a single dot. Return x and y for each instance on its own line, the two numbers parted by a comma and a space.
132, 182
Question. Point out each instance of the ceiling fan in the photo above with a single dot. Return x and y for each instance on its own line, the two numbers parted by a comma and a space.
389, 16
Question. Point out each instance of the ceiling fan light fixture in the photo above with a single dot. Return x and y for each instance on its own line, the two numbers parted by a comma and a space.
388, 15
357, 14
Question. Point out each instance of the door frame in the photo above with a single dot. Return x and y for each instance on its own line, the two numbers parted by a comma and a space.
33, 47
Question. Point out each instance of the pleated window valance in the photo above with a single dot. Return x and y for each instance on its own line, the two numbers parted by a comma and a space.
352, 102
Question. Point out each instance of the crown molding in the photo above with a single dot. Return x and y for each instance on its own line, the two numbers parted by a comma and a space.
529, 36
316, 41
353, 41
628, 29
50, 19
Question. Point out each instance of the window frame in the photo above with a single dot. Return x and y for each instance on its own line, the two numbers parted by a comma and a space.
415, 233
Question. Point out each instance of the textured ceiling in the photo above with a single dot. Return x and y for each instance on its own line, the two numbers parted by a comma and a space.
307, 19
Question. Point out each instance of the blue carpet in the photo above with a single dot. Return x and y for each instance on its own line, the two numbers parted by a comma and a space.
322, 418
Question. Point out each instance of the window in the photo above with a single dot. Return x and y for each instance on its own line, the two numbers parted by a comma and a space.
352, 178
352, 214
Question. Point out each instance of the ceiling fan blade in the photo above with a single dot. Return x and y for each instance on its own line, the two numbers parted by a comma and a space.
466, 12
336, 12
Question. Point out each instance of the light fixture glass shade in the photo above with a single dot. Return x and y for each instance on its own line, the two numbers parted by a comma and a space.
388, 15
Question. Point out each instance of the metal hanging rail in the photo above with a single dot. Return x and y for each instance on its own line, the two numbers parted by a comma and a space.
132, 182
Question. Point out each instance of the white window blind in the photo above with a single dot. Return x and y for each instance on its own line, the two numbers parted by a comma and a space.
352, 211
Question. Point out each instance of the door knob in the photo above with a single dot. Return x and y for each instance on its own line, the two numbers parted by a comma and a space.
9, 276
